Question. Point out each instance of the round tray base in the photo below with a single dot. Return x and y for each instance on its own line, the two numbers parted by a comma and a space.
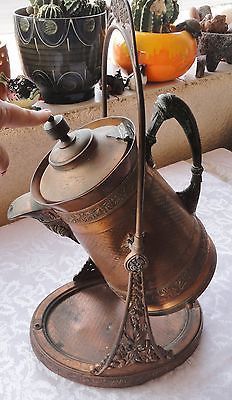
76, 326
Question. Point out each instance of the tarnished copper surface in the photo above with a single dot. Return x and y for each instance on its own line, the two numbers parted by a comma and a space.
105, 156
180, 254
62, 336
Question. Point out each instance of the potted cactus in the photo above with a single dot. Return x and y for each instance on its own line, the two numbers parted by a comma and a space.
60, 43
166, 53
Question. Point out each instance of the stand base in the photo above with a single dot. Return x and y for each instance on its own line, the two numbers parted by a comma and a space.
75, 327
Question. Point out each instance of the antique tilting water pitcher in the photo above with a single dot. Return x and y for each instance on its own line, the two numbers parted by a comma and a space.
131, 314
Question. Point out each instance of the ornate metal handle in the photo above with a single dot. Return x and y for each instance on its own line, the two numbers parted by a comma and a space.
170, 106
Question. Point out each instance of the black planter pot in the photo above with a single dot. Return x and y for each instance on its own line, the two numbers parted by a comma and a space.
61, 55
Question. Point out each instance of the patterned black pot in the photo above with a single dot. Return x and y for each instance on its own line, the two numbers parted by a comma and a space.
61, 55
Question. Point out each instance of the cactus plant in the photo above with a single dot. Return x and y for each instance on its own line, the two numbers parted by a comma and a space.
154, 15
65, 8
50, 10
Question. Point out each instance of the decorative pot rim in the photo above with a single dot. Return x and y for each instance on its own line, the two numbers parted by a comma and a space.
179, 33
216, 33
18, 13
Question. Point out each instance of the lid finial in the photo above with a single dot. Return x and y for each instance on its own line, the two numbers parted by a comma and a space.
57, 128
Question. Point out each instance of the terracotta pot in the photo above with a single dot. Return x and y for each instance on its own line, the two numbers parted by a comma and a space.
4, 69
166, 55
61, 55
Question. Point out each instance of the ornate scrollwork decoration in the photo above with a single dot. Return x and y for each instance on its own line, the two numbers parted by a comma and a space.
135, 342
120, 17
136, 263
104, 207
119, 11
54, 223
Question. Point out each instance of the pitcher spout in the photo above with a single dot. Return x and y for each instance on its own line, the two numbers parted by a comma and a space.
23, 206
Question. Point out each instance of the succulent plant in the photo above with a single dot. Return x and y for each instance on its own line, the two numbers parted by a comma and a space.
154, 15
65, 8
50, 10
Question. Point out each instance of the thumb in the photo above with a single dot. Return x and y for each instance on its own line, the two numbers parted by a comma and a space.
12, 116
4, 160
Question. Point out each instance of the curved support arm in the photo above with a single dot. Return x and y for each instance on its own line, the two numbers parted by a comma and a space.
123, 22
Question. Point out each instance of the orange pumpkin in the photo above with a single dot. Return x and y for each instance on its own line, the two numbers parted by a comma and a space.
166, 55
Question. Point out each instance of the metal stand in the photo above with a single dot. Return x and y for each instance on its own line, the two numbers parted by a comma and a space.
135, 335
135, 342
128, 347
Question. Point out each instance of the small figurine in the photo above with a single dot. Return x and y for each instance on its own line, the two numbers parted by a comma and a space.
20, 91
115, 84
23, 92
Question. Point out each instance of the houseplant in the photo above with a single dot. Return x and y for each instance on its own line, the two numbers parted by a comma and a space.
60, 43
165, 53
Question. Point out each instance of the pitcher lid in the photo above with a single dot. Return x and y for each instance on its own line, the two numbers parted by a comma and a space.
81, 159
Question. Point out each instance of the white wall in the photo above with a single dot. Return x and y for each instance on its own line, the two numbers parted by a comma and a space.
6, 14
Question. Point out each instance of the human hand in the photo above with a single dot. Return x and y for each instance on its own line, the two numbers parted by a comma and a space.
4, 160
12, 116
